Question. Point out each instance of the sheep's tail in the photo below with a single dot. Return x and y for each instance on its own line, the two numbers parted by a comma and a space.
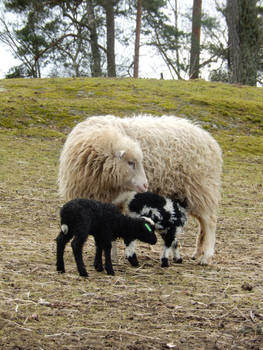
64, 229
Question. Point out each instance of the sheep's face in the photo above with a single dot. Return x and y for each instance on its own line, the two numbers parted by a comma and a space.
132, 174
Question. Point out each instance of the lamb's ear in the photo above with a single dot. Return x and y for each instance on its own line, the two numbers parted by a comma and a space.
120, 154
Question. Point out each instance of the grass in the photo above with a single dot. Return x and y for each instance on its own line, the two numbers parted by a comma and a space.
183, 307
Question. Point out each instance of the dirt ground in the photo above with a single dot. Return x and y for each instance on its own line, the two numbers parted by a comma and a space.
185, 306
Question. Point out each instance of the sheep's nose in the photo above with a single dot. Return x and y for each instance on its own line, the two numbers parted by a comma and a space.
145, 186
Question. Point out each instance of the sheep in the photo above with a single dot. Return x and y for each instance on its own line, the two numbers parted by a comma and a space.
169, 217
178, 157
82, 217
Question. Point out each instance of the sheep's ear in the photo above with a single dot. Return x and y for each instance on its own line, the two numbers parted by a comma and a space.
120, 154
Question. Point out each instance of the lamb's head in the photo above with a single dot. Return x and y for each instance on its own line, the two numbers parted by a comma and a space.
147, 234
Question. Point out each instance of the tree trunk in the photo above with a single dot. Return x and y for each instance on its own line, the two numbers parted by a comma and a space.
195, 40
243, 38
111, 66
95, 65
137, 38
234, 56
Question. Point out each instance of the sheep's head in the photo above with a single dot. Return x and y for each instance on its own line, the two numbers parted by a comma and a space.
104, 164
131, 171
124, 165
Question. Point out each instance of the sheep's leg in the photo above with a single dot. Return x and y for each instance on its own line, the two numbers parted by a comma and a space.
130, 253
61, 240
205, 242
177, 257
108, 263
98, 259
77, 245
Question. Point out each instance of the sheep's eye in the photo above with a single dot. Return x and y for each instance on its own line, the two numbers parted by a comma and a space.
131, 163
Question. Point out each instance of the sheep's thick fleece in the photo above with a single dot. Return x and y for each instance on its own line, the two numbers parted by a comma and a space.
178, 157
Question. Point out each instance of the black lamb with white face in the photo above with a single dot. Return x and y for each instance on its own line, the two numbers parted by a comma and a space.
169, 216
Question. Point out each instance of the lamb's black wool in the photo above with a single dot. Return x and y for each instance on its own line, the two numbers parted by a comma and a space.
83, 217
169, 216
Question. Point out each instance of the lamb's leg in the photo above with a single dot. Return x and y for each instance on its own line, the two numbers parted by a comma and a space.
168, 238
130, 253
177, 257
98, 259
205, 242
108, 263
61, 240
77, 245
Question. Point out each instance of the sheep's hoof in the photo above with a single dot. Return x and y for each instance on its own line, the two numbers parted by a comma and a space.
61, 271
164, 262
110, 272
133, 260
178, 260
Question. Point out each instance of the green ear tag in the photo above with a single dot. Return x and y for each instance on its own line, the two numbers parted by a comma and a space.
148, 227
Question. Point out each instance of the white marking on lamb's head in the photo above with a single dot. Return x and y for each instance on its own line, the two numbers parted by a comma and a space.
149, 220
153, 212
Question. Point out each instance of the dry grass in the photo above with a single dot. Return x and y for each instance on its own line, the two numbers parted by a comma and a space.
183, 307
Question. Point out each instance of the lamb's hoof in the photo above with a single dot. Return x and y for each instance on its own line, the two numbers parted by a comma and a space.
178, 261
61, 271
133, 260
99, 268
110, 272
83, 274
164, 262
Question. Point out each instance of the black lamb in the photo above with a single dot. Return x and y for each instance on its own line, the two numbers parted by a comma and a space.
83, 217
169, 216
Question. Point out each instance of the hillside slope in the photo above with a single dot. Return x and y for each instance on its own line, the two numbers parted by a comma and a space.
51, 107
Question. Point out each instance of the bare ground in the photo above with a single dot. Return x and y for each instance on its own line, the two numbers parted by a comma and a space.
182, 307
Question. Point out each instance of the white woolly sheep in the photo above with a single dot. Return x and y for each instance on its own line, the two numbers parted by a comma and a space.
83, 217
169, 217
179, 157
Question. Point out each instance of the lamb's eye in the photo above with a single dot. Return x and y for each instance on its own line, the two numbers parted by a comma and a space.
131, 163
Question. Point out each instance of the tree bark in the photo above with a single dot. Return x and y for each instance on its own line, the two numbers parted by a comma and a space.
137, 39
95, 65
195, 40
110, 23
234, 56
243, 41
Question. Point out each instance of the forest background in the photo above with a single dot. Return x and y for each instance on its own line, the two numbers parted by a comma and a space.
216, 40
